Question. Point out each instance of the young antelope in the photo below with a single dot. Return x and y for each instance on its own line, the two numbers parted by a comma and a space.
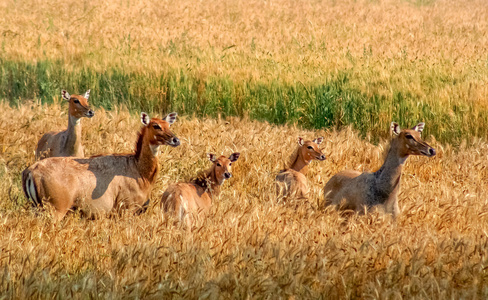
291, 182
196, 196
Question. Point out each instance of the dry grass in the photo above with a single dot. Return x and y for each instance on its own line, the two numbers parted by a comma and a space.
248, 246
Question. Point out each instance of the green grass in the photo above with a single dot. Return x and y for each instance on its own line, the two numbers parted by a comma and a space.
335, 103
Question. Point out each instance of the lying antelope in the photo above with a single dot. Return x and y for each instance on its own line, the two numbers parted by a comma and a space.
98, 184
196, 196
291, 182
67, 142
356, 191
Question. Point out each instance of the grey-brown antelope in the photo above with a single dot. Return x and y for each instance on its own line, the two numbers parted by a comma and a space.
357, 191
67, 142
291, 182
196, 196
99, 184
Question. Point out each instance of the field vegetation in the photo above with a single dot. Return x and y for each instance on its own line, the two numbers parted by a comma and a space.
248, 246
313, 63
252, 76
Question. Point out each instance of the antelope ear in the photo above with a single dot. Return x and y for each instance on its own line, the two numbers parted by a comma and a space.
234, 156
171, 118
212, 157
419, 127
87, 94
145, 119
300, 141
66, 96
395, 128
318, 140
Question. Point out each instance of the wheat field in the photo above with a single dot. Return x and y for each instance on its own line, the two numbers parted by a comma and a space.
252, 76
248, 246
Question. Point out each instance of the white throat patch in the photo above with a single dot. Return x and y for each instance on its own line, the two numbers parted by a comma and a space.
154, 149
74, 121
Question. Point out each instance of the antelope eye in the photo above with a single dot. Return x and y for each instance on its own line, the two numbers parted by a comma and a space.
310, 147
219, 165
76, 101
408, 136
156, 126
230, 164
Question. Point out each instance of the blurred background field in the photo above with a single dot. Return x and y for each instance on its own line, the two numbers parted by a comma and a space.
318, 64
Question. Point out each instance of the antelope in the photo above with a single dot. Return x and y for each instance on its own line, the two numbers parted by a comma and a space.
291, 182
98, 184
357, 191
196, 196
68, 142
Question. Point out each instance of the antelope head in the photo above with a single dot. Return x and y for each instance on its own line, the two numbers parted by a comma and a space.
158, 132
223, 165
310, 149
410, 141
78, 105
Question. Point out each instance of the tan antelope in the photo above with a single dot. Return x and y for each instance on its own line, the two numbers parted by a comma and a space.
352, 190
196, 196
291, 182
67, 142
98, 184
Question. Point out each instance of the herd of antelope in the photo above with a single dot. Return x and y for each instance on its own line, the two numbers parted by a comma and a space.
100, 184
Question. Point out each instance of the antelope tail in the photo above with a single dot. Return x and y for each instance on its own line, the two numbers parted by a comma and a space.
29, 188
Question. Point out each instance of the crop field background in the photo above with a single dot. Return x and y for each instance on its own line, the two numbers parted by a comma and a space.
315, 63
252, 76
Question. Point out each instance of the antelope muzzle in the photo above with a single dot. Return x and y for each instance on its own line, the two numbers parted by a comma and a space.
321, 157
428, 151
90, 113
173, 142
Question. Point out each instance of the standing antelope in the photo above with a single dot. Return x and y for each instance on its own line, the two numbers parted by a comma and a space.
98, 184
196, 196
291, 182
67, 142
365, 190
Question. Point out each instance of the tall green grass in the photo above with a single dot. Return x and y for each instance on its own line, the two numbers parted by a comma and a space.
336, 102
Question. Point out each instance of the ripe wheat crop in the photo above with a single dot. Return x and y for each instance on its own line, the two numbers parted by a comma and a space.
252, 76
248, 246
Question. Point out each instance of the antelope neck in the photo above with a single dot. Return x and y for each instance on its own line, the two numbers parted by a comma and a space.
300, 164
207, 181
147, 161
73, 133
388, 176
